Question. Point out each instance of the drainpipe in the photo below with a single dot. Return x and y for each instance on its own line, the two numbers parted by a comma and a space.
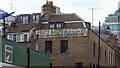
4, 27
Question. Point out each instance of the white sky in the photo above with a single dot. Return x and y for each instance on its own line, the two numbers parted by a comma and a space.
79, 7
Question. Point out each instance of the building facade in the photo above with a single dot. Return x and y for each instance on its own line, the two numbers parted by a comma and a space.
20, 32
69, 43
28, 18
8, 20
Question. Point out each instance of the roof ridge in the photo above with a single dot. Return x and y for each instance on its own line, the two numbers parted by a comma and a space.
64, 14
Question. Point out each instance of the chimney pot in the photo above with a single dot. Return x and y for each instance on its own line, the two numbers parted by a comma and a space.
51, 3
116, 36
47, 2
112, 35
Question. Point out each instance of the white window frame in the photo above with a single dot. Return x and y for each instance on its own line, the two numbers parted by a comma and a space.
18, 38
26, 37
37, 18
52, 26
10, 52
14, 38
59, 25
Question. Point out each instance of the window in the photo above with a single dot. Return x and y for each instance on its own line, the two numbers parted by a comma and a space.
8, 54
10, 37
37, 47
37, 19
25, 19
105, 56
58, 26
18, 38
94, 49
14, 38
100, 52
113, 58
64, 46
48, 46
25, 38
34, 18
78, 65
109, 57
52, 26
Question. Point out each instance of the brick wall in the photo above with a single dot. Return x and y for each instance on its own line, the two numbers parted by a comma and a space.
80, 49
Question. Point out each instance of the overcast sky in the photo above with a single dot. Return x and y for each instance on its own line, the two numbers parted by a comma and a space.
80, 7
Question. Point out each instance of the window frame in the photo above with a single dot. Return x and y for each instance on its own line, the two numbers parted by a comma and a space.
58, 25
8, 52
52, 26
105, 55
48, 46
14, 38
64, 46
25, 37
94, 46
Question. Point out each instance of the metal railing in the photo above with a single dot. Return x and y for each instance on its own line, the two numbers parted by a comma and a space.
62, 32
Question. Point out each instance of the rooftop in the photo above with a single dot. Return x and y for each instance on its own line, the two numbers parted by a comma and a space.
21, 27
64, 17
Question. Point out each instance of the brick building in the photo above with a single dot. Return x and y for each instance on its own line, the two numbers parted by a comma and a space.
69, 43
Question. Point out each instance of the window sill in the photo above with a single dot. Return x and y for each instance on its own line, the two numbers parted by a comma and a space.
64, 53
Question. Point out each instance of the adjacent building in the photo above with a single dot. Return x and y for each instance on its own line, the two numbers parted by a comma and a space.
113, 21
8, 20
104, 33
28, 18
20, 32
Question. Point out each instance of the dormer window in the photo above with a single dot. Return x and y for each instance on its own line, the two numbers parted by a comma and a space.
52, 26
58, 26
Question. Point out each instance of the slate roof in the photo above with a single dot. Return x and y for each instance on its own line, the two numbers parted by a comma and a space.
64, 18
21, 27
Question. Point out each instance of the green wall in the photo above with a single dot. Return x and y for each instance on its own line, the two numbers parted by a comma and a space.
38, 59
20, 55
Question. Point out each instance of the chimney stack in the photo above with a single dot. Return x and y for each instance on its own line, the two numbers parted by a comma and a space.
51, 3
47, 2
